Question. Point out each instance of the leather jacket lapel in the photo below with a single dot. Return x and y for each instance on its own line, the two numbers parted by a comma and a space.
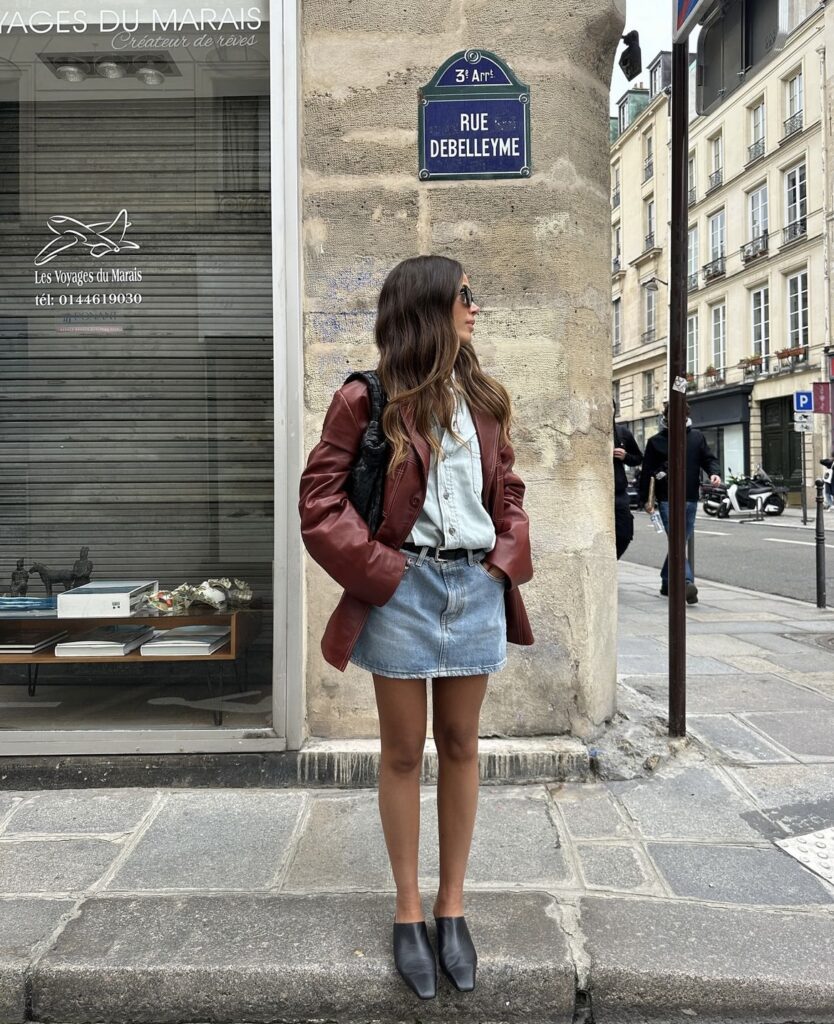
420, 444
488, 430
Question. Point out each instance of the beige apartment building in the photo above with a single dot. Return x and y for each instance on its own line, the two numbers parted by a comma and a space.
757, 310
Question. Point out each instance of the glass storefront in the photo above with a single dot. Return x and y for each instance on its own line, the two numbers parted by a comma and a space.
136, 354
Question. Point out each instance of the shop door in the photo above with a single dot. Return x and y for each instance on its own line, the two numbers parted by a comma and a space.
781, 445
136, 367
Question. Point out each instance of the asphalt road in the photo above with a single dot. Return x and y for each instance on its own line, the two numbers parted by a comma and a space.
777, 556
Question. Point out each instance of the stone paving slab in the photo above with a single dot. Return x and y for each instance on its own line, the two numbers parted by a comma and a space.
735, 693
616, 868
174, 852
808, 735
23, 924
693, 804
590, 812
737, 874
672, 962
735, 740
254, 958
78, 811
54, 865
797, 798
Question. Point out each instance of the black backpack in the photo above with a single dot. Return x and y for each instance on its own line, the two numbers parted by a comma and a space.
366, 483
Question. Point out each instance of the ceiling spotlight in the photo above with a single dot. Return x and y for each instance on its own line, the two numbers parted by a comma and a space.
71, 71
110, 69
149, 75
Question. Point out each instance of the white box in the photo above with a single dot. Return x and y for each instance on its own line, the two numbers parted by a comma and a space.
116, 598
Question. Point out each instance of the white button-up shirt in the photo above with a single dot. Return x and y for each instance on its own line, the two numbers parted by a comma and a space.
453, 515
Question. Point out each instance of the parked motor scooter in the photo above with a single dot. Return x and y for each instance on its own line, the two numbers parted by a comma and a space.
745, 494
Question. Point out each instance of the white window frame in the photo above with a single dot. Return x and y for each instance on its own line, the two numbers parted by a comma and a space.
648, 145
717, 152
795, 94
797, 309
718, 219
655, 80
649, 311
760, 320
693, 252
615, 394
617, 325
718, 338
615, 176
758, 208
618, 240
651, 226
692, 343
796, 208
691, 171
758, 122
649, 387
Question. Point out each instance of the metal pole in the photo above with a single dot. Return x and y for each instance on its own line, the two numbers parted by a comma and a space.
804, 494
819, 536
677, 389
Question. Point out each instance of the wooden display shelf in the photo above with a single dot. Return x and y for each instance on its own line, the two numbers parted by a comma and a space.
244, 622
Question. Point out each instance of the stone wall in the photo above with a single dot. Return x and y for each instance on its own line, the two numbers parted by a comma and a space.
537, 252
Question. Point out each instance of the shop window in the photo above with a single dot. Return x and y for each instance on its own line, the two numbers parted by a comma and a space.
136, 367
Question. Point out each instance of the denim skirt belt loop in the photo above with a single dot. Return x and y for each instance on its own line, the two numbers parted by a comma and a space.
446, 618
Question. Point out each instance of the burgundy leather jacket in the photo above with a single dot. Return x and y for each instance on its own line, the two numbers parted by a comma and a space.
370, 568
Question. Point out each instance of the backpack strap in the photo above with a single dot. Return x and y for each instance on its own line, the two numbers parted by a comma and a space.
378, 397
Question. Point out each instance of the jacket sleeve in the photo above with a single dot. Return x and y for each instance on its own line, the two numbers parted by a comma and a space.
334, 533
650, 467
632, 449
511, 553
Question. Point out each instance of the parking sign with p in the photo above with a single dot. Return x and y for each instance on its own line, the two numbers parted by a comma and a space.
803, 401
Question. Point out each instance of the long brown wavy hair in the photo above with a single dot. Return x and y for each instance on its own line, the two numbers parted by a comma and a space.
418, 350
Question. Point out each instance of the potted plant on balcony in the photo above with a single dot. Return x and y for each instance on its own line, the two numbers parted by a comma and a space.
711, 371
691, 381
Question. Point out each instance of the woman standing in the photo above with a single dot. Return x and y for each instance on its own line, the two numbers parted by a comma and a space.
434, 592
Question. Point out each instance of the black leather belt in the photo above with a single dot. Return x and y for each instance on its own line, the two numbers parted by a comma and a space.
443, 554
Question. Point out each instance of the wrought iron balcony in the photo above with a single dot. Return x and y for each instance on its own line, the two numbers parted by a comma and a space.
716, 179
649, 402
756, 151
648, 168
615, 199
795, 230
793, 125
715, 269
649, 241
647, 337
616, 265
692, 282
755, 247
693, 197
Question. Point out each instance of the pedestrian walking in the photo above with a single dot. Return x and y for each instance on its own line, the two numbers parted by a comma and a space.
433, 594
626, 453
656, 465
829, 483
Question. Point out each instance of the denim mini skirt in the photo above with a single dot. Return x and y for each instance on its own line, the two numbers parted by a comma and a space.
446, 618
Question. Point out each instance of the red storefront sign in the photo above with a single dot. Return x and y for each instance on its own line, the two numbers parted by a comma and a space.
822, 397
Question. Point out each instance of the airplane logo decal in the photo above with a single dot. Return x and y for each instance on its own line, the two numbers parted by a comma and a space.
99, 239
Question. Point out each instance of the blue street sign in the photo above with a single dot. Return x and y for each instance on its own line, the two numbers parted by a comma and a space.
803, 401
474, 120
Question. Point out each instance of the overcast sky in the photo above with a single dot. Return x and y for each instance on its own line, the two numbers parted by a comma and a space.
653, 20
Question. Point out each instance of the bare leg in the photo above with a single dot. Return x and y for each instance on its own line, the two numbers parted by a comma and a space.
456, 707
401, 704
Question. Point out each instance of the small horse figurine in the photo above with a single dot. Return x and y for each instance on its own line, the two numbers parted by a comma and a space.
51, 576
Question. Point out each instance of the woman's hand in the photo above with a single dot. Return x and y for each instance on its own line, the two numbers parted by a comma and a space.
494, 571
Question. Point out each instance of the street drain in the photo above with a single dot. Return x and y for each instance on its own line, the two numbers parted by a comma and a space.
823, 640
815, 850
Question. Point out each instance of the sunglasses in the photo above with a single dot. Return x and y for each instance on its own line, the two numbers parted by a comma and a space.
466, 296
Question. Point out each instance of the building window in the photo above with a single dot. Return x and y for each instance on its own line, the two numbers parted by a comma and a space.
693, 258
615, 186
649, 315
617, 245
693, 184
617, 339
796, 201
650, 223
795, 97
615, 394
756, 148
692, 343
717, 240
719, 337
622, 115
798, 310
656, 80
758, 212
649, 401
760, 299
648, 156
716, 176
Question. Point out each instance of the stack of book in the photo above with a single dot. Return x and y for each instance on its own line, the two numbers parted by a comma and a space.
29, 641
105, 642
187, 641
